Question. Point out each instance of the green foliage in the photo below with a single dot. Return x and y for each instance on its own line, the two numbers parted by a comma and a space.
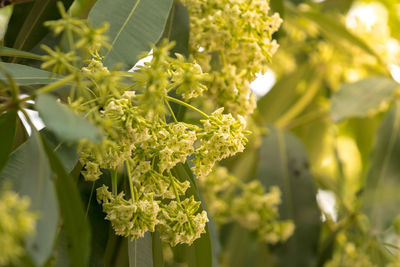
134, 25
67, 125
178, 163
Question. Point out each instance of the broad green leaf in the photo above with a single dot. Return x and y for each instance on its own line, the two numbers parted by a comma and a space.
134, 26
77, 230
29, 172
8, 126
158, 256
65, 123
361, 98
140, 251
283, 162
25, 28
25, 75
66, 152
199, 254
381, 197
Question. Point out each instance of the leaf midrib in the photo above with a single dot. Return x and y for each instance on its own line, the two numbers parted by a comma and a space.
123, 26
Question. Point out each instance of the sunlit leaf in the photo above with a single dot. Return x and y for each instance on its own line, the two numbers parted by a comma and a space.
66, 124
361, 98
29, 172
134, 26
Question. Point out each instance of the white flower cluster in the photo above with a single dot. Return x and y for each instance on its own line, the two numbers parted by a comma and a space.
222, 136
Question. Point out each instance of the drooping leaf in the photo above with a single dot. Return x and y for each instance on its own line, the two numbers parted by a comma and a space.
134, 26
67, 125
140, 251
283, 162
76, 226
25, 28
361, 98
29, 172
8, 126
199, 254
381, 198
25, 75
66, 152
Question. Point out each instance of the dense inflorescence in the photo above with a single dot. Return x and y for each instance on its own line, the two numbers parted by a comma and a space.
146, 144
232, 40
16, 223
230, 199
144, 141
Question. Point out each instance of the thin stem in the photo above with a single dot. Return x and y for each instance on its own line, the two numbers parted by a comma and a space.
186, 105
50, 87
174, 188
301, 104
128, 168
114, 181
90, 199
170, 110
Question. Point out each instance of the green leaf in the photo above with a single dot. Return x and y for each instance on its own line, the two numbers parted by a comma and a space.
199, 254
177, 29
25, 28
76, 225
283, 162
66, 152
381, 198
11, 52
8, 126
134, 26
65, 123
140, 251
25, 75
158, 256
29, 172
361, 98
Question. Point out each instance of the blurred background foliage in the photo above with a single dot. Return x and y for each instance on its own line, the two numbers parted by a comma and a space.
328, 122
